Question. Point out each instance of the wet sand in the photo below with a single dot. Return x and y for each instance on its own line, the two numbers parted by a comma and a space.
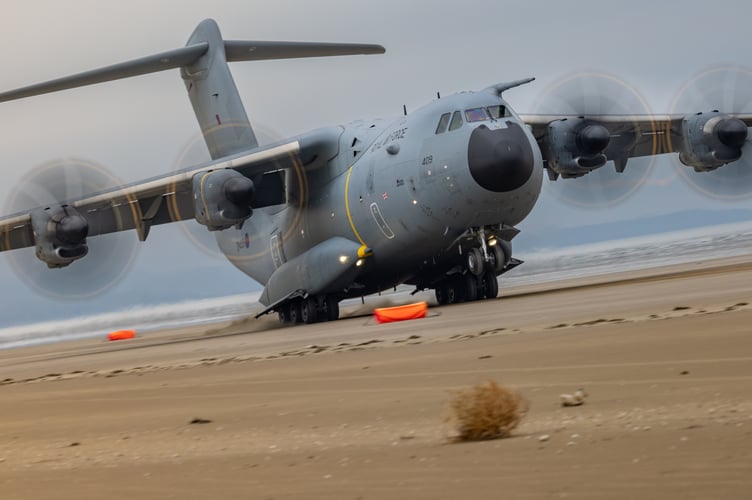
353, 409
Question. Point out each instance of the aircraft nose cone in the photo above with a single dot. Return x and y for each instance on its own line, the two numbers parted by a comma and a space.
500, 160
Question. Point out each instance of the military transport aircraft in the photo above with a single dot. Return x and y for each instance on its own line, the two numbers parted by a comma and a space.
430, 199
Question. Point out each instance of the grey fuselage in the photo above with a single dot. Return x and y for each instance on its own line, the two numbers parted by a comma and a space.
401, 189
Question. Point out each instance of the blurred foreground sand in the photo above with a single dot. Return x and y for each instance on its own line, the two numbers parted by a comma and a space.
356, 410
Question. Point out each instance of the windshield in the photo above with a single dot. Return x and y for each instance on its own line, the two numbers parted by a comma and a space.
497, 112
476, 115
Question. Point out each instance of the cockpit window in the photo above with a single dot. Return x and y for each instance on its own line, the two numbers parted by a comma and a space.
456, 121
476, 115
443, 122
497, 112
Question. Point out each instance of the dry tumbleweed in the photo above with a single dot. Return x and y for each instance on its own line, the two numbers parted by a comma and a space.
487, 411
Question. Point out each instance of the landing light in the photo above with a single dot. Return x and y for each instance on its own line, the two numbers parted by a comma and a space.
492, 241
343, 259
359, 262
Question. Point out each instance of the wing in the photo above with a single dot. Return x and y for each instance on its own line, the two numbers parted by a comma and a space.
571, 151
170, 198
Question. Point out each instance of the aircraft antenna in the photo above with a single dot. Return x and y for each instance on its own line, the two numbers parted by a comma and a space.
438, 95
404, 109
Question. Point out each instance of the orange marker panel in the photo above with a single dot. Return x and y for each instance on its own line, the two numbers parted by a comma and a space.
400, 313
121, 335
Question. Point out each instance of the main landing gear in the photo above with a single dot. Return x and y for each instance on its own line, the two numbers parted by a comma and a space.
312, 309
476, 279
467, 288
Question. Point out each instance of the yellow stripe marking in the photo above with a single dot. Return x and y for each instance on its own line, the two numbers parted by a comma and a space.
347, 208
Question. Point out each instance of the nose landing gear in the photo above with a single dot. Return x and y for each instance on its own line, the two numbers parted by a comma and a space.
475, 276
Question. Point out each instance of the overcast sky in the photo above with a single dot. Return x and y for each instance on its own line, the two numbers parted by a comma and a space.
138, 127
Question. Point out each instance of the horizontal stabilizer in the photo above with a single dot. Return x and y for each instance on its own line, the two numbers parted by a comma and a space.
149, 64
236, 50
241, 50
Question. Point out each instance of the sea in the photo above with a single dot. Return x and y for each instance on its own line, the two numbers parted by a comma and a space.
540, 266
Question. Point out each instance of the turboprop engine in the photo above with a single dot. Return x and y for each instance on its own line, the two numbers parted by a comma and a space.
577, 146
59, 235
222, 199
711, 140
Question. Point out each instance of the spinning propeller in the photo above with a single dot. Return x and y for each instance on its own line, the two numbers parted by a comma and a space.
727, 90
194, 152
104, 260
587, 96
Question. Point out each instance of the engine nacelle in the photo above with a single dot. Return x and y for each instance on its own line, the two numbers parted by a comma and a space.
222, 199
59, 235
576, 146
711, 140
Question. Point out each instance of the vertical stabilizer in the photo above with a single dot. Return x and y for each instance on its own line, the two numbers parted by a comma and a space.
215, 97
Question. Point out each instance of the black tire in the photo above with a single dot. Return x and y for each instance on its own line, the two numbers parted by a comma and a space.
294, 308
309, 310
470, 287
441, 292
330, 309
498, 259
453, 295
284, 314
490, 285
474, 262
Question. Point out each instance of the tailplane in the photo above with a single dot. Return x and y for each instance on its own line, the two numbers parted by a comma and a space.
211, 88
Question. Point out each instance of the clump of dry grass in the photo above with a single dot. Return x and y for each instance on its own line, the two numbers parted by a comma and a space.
487, 411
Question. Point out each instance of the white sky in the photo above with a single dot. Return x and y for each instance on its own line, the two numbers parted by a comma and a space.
137, 127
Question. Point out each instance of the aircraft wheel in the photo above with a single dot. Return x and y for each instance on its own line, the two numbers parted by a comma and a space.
330, 309
284, 314
497, 259
490, 285
474, 262
470, 287
295, 312
456, 290
309, 310
452, 292
442, 293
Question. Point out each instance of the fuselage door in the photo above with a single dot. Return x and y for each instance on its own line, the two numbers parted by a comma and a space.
278, 254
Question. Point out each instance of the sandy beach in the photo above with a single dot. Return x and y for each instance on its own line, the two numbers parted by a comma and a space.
358, 410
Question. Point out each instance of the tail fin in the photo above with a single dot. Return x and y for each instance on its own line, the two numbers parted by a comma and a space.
215, 97
212, 91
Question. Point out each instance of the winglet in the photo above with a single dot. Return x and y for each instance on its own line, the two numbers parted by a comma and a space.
501, 87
